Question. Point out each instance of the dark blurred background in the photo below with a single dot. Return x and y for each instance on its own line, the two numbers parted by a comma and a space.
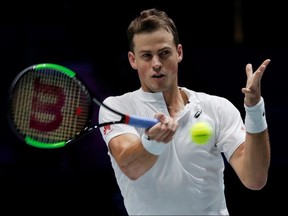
219, 39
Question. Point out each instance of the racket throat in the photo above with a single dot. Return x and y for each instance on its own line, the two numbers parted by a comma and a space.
126, 119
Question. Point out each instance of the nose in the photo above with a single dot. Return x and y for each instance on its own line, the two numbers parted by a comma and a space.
156, 64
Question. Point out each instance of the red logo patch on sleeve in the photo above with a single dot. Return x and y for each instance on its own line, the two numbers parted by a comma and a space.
106, 129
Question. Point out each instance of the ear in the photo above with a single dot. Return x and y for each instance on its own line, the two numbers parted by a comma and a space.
180, 52
132, 60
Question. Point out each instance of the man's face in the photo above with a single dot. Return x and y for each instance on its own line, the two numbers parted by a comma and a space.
156, 59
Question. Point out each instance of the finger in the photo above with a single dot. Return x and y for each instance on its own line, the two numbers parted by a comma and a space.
165, 124
165, 131
249, 70
262, 68
259, 72
266, 62
161, 117
165, 136
249, 74
252, 90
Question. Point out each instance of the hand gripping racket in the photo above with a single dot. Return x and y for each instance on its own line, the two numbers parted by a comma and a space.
50, 107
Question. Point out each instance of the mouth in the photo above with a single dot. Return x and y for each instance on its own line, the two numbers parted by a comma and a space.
158, 76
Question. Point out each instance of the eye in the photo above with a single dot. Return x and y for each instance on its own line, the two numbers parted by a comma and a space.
164, 53
146, 56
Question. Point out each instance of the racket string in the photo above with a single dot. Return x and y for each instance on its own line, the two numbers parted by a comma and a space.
42, 105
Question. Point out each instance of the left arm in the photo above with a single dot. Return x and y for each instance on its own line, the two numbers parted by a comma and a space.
251, 160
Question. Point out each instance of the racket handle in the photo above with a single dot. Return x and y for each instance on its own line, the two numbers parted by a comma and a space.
141, 122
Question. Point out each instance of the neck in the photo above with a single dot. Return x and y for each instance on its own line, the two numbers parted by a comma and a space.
177, 103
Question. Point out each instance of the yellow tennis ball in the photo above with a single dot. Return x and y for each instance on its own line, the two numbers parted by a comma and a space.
201, 132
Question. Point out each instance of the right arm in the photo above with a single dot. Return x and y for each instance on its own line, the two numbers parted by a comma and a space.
129, 153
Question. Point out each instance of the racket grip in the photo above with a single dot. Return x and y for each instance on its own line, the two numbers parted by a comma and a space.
141, 122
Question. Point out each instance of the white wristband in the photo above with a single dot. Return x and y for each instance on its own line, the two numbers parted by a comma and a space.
151, 146
255, 119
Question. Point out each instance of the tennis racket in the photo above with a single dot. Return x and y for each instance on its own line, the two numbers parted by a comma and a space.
49, 107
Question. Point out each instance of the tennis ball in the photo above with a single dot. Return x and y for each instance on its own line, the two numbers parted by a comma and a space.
201, 132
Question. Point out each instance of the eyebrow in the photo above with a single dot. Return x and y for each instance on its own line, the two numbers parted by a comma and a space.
160, 50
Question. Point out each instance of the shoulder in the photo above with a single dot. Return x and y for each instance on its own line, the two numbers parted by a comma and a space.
210, 103
205, 98
121, 102
123, 97
212, 100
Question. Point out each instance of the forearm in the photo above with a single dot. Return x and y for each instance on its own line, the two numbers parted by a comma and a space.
134, 155
131, 156
135, 161
254, 156
256, 159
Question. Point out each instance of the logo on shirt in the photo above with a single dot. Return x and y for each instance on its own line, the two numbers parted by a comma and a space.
106, 129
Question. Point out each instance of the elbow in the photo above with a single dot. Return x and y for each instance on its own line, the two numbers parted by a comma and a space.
132, 175
257, 184
132, 178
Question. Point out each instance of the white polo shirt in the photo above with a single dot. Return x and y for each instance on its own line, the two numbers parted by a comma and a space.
187, 178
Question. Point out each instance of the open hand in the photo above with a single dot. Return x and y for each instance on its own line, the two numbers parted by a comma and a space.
252, 90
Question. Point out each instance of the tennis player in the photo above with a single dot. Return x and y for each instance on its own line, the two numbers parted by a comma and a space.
160, 170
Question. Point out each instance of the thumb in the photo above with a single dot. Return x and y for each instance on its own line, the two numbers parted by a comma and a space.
162, 117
